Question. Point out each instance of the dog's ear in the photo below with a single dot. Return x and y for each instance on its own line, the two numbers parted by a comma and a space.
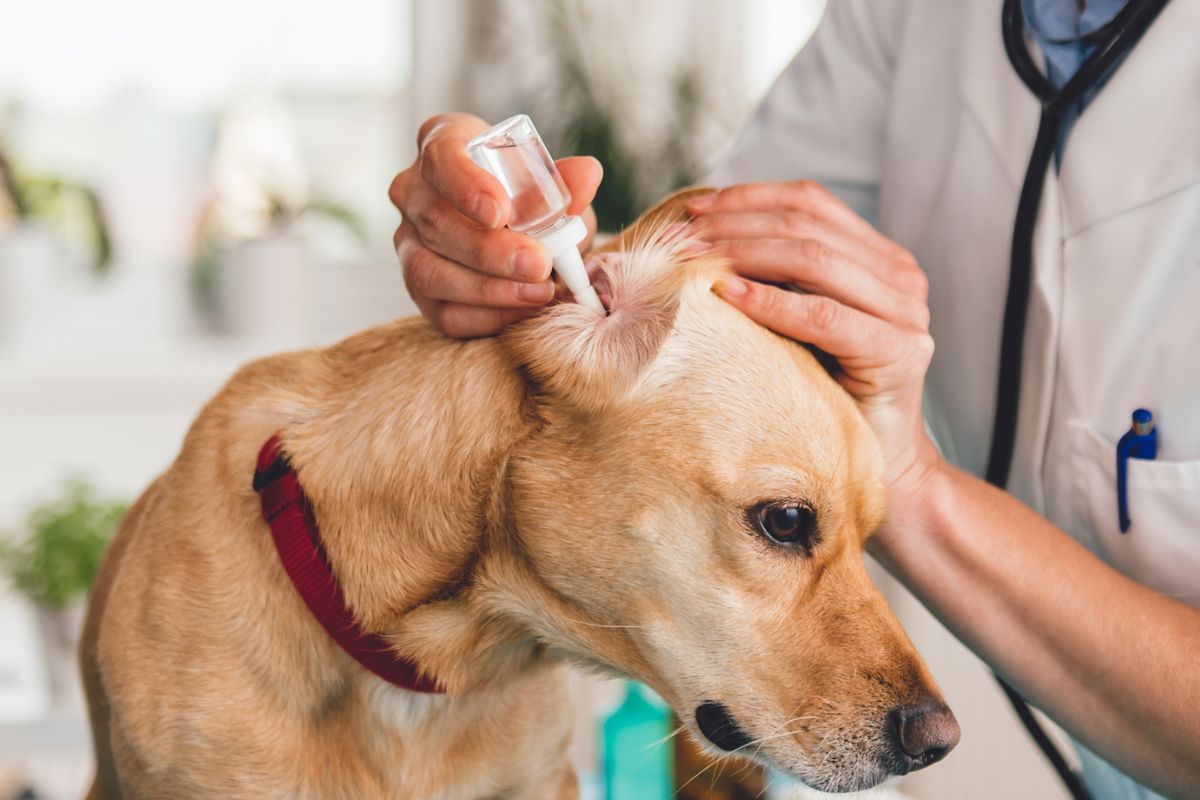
588, 360
592, 361
667, 211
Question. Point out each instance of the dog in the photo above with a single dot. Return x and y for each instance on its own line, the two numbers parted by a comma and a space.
670, 493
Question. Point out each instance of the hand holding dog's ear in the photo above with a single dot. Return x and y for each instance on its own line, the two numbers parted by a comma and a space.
467, 273
867, 304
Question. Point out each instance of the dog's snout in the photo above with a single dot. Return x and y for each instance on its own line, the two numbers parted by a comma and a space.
922, 734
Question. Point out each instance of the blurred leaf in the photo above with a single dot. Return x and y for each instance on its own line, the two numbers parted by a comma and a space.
57, 561
204, 272
72, 210
102, 242
338, 213
8, 183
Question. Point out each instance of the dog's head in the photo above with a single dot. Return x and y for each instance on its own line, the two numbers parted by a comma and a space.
695, 501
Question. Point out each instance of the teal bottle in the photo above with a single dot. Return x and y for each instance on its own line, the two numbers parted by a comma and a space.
637, 754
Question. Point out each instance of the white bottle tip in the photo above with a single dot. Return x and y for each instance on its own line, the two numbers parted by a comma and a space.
569, 266
562, 242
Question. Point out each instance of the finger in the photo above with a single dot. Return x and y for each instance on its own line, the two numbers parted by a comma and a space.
808, 196
430, 310
589, 219
814, 266
429, 275
502, 252
857, 340
778, 224
801, 201
582, 175
398, 189
467, 322
472, 321
445, 166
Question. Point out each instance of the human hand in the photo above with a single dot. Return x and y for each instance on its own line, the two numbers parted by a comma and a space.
867, 307
467, 273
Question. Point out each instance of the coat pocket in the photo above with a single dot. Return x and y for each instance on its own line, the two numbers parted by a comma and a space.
1162, 547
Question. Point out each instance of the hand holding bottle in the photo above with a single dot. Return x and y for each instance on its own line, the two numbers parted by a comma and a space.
469, 275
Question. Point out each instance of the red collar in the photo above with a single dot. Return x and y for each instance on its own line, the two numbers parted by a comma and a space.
298, 541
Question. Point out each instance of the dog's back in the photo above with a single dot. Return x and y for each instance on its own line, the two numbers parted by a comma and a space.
199, 659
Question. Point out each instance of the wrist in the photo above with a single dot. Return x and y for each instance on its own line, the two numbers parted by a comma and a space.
909, 489
914, 497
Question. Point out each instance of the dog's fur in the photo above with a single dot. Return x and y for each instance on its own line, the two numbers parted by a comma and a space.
574, 490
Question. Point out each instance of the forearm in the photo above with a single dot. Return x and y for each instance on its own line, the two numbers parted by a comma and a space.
1113, 661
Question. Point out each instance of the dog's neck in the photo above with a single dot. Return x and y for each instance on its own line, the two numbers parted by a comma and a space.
405, 461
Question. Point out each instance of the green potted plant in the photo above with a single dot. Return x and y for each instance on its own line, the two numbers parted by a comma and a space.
53, 566
46, 223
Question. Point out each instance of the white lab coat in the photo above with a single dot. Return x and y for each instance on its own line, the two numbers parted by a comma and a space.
910, 111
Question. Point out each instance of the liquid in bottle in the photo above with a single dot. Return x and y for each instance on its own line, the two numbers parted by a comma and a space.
513, 152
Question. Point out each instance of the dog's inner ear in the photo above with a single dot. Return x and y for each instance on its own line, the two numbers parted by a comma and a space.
593, 361
589, 360
668, 211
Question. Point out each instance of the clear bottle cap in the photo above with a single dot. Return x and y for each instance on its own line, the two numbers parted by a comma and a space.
513, 152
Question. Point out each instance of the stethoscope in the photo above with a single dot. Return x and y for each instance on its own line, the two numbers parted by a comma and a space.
1113, 42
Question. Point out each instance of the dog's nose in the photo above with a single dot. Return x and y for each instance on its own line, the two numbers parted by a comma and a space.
923, 734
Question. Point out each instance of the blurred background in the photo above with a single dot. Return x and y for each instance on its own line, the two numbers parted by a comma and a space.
185, 186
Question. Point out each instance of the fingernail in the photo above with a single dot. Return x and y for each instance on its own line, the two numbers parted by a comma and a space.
486, 210
702, 203
535, 292
730, 286
530, 265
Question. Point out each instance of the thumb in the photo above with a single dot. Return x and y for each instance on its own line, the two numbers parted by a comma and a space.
582, 175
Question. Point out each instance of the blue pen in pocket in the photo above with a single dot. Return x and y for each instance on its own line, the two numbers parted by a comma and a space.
1140, 441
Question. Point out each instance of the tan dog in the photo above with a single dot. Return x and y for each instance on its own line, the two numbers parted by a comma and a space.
671, 493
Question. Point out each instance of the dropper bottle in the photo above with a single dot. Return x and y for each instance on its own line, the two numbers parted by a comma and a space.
513, 152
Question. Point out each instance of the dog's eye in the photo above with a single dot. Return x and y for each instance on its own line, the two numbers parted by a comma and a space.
787, 523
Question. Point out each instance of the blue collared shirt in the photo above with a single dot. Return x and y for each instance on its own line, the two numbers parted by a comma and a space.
1058, 27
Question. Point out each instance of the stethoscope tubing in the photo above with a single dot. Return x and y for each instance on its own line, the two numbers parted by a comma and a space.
1113, 42
1126, 29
